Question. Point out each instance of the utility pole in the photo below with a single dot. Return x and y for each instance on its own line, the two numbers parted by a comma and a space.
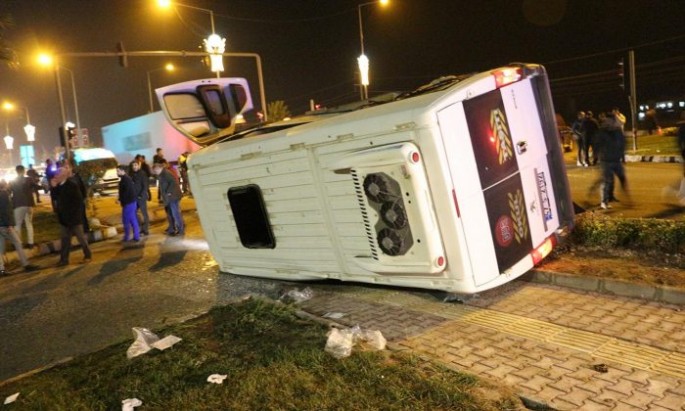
633, 96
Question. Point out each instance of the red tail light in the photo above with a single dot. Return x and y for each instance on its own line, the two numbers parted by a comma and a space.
507, 76
543, 249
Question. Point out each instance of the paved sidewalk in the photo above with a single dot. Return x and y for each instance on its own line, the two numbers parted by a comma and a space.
550, 344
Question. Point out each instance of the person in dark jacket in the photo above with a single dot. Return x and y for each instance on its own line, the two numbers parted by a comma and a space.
7, 231
69, 209
171, 195
611, 147
141, 187
32, 174
127, 199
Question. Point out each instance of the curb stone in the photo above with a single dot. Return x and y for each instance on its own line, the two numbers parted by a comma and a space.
54, 246
662, 294
634, 158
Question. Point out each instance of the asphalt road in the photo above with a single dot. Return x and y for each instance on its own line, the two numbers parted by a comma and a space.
650, 187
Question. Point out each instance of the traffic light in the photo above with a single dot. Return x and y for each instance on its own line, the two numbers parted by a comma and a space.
622, 74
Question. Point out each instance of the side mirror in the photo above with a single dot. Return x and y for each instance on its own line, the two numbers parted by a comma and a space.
205, 110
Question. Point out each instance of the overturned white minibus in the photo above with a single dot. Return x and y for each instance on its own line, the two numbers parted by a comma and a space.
459, 185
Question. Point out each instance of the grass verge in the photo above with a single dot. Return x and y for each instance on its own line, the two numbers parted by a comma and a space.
274, 361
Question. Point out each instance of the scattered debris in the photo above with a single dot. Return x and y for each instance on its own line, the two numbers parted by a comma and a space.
600, 368
217, 378
145, 340
165, 342
340, 342
334, 315
11, 398
130, 403
297, 296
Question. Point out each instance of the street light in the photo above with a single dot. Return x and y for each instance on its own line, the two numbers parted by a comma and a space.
215, 45
362, 60
47, 60
29, 129
168, 67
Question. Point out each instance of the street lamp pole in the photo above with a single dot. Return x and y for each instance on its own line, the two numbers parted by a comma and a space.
60, 96
73, 90
364, 87
363, 61
214, 44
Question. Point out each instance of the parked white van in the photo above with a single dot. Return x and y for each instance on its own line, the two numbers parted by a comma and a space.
459, 185
108, 183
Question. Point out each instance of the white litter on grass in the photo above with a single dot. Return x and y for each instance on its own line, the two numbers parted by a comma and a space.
166, 342
340, 342
11, 398
145, 340
333, 315
130, 403
217, 378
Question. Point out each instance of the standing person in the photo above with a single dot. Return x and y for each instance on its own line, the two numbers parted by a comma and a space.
158, 158
620, 120
591, 127
22, 198
612, 148
76, 178
127, 199
171, 195
579, 134
141, 188
32, 174
69, 209
50, 172
7, 231
681, 145
183, 169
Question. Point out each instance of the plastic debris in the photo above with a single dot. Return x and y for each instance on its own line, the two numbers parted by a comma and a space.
333, 315
144, 339
165, 342
11, 398
130, 403
297, 296
217, 378
340, 342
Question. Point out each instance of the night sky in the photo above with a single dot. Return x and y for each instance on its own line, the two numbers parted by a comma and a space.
309, 50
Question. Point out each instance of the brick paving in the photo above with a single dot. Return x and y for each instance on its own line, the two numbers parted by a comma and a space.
484, 337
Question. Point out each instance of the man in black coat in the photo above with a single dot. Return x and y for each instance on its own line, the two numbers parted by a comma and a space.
69, 208
141, 184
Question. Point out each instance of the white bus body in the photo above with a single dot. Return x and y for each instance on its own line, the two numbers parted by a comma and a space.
461, 189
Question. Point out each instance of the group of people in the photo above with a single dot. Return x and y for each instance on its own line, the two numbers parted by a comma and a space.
17, 202
68, 195
134, 193
603, 137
